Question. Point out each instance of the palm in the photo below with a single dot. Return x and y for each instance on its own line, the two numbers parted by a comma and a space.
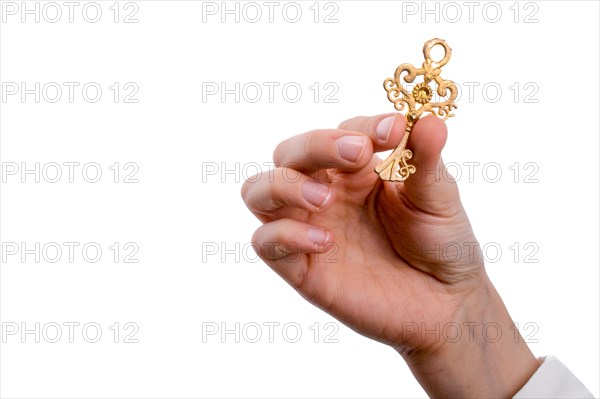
371, 270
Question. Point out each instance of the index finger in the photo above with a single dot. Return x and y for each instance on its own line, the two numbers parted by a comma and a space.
385, 131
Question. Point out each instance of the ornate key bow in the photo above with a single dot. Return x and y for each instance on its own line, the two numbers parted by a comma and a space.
395, 167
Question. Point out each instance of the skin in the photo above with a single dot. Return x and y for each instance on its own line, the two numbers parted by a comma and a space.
393, 261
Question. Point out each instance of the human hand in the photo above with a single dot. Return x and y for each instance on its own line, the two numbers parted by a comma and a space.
402, 256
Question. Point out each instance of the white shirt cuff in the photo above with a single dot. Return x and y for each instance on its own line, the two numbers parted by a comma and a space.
553, 380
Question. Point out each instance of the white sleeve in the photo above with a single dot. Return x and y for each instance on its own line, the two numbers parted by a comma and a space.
553, 380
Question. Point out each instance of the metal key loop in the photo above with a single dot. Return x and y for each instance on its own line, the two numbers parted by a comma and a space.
396, 167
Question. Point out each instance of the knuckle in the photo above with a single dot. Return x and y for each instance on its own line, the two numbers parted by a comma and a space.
256, 240
268, 250
245, 188
280, 153
275, 192
268, 202
309, 142
260, 247
277, 154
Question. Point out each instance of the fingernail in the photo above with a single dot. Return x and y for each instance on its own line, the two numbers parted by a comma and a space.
384, 127
318, 236
351, 147
316, 193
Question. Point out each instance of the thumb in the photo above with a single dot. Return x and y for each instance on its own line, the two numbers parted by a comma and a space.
431, 188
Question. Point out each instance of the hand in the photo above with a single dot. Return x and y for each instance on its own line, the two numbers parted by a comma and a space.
390, 260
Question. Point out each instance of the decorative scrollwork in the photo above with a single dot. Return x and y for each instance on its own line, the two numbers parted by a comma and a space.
404, 169
418, 101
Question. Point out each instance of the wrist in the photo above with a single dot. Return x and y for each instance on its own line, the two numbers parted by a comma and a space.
479, 354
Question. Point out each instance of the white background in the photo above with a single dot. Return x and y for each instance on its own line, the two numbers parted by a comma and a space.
181, 218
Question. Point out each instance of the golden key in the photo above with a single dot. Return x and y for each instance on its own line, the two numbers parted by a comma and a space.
395, 167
